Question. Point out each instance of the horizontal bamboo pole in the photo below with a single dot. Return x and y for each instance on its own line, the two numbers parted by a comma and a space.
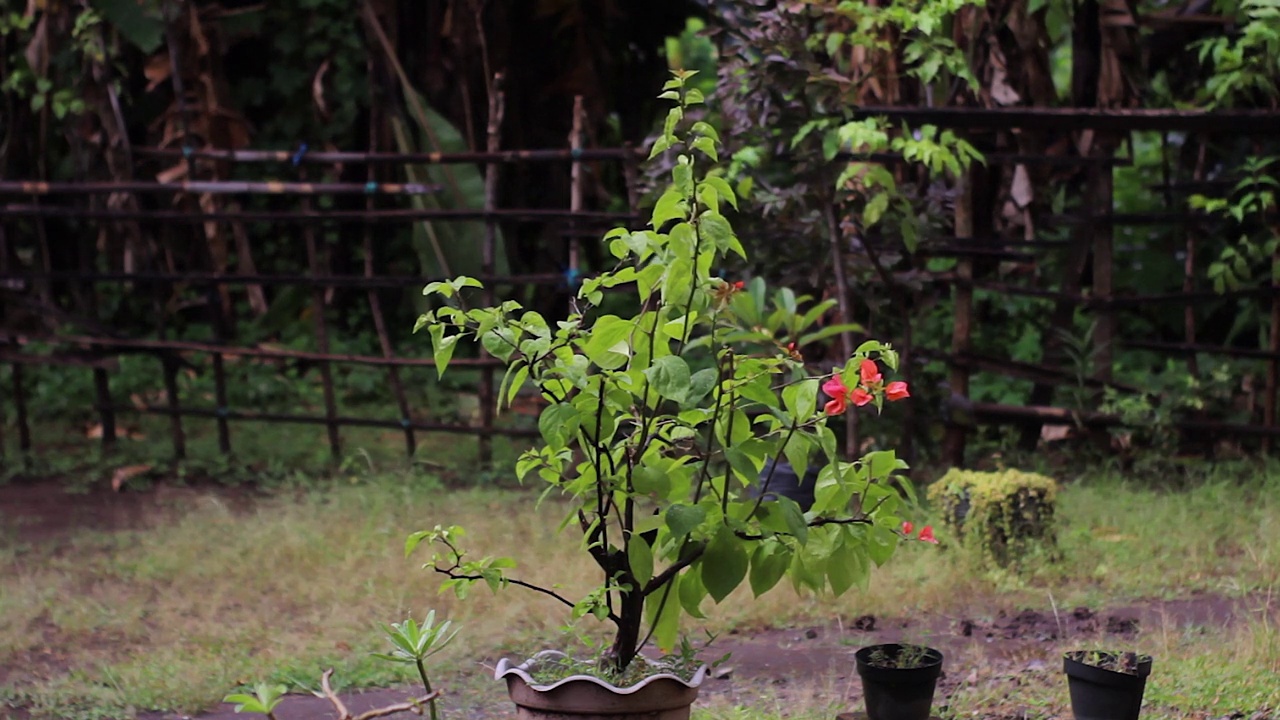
144, 345
1192, 349
85, 360
431, 158
213, 187
17, 281
1232, 122
998, 158
996, 413
277, 216
230, 414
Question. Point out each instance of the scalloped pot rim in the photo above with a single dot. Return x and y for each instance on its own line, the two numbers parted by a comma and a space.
505, 668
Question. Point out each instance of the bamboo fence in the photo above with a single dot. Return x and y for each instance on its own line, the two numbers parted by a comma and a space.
1091, 243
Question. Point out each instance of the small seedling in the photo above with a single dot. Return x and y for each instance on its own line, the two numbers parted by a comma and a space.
263, 701
905, 657
1122, 662
415, 643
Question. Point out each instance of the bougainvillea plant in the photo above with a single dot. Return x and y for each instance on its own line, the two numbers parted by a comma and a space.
658, 423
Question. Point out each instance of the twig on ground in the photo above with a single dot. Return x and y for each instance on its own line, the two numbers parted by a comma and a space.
414, 706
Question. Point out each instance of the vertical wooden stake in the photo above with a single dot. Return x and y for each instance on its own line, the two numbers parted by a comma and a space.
170, 368
488, 403
322, 333
213, 301
375, 303
961, 329
851, 439
1103, 267
102, 388
576, 141
1189, 271
20, 410
1273, 365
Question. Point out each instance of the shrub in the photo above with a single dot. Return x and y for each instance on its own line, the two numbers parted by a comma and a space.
1005, 512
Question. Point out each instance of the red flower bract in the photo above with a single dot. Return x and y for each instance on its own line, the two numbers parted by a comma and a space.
896, 391
926, 535
861, 397
870, 372
907, 527
838, 393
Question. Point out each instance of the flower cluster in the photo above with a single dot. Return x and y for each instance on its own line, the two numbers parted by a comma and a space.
926, 532
871, 382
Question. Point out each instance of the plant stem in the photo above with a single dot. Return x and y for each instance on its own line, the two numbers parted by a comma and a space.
422, 672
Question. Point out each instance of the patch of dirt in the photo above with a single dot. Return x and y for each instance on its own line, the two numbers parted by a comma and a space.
46, 511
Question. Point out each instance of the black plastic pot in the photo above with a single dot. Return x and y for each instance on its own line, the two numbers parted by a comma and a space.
898, 693
1098, 694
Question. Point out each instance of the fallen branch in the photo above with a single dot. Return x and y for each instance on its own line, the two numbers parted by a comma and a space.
414, 706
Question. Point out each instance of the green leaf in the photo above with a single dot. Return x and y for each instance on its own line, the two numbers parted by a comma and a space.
682, 178
669, 375
881, 544
606, 345
706, 146
517, 376
801, 399
670, 206
793, 516
442, 347
640, 558
874, 209
678, 329
558, 423
724, 564
692, 593
847, 568
666, 626
716, 228
683, 519
700, 384
768, 564
723, 188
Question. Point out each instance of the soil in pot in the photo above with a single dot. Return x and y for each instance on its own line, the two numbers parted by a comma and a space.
1106, 685
898, 681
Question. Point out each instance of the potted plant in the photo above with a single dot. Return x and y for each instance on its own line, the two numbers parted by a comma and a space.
657, 427
898, 680
1106, 685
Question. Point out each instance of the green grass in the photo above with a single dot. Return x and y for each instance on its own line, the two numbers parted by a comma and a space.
174, 617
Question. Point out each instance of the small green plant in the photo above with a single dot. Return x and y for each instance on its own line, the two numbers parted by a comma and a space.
900, 657
1121, 662
263, 701
415, 643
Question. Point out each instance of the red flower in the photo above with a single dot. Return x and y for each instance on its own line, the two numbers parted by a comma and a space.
896, 391
740, 285
839, 396
861, 397
926, 535
870, 373
907, 527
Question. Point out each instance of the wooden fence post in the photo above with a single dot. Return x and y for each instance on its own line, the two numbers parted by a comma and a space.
488, 253
1099, 209
961, 329
317, 269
